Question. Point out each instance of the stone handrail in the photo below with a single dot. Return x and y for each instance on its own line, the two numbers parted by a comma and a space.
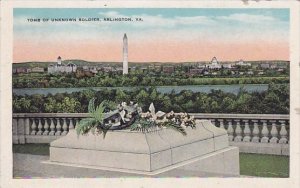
263, 128
254, 133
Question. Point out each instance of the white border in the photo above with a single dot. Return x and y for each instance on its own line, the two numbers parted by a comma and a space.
6, 105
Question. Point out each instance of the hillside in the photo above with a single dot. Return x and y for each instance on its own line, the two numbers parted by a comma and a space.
81, 63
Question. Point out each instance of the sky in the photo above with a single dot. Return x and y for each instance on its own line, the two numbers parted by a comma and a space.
163, 35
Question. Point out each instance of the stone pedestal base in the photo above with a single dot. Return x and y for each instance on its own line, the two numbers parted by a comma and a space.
152, 152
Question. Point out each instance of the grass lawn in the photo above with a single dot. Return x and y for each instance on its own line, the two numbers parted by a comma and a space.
250, 164
264, 165
34, 149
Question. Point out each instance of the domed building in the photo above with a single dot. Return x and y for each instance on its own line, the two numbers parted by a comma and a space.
61, 68
214, 64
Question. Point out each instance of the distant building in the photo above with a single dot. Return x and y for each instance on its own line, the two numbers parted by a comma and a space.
119, 69
195, 71
265, 65
242, 63
37, 69
282, 66
93, 70
280, 70
157, 68
168, 69
250, 72
108, 69
151, 67
227, 66
201, 66
85, 68
206, 72
61, 68
21, 70
132, 68
214, 64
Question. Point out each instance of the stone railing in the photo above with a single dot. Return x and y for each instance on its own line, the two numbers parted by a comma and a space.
252, 133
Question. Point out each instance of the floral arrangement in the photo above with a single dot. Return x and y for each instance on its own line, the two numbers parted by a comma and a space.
131, 117
154, 121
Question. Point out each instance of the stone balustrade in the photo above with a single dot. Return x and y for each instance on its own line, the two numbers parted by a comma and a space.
252, 133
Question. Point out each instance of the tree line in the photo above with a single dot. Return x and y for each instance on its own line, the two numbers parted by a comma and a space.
116, 80
275, 100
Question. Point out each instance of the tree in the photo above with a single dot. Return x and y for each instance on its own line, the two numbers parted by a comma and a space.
121, 96
142, 97
69, 105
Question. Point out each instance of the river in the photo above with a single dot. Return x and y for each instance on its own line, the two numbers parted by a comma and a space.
163, 89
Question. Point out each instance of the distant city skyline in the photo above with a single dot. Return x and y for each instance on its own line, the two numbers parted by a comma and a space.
164, 35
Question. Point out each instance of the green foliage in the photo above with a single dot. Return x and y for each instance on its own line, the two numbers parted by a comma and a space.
143, 125
94, 123
118, 80
96, 113
273, 101
174, 126
85, 125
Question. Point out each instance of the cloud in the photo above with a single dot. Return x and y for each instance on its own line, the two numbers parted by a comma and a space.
248, 18
158, 27
160, 21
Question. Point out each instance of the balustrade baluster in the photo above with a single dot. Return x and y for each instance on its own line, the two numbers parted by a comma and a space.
71, 125
27, 126
274, 132
221, 124
40, 127
238, 131
46, 127
264, 132
255, 132
283, 133
247, 131
230, 130
15, 126
213, 121
52, 127
65, 127
33, 127
58, 128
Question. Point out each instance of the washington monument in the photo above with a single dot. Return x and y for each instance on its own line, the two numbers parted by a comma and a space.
125, 54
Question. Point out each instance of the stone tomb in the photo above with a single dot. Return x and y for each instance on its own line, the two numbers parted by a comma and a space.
204, 149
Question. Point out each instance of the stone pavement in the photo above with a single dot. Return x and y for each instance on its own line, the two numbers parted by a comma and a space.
32, 166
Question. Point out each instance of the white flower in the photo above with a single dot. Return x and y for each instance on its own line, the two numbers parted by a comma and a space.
182, 124
122, 114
